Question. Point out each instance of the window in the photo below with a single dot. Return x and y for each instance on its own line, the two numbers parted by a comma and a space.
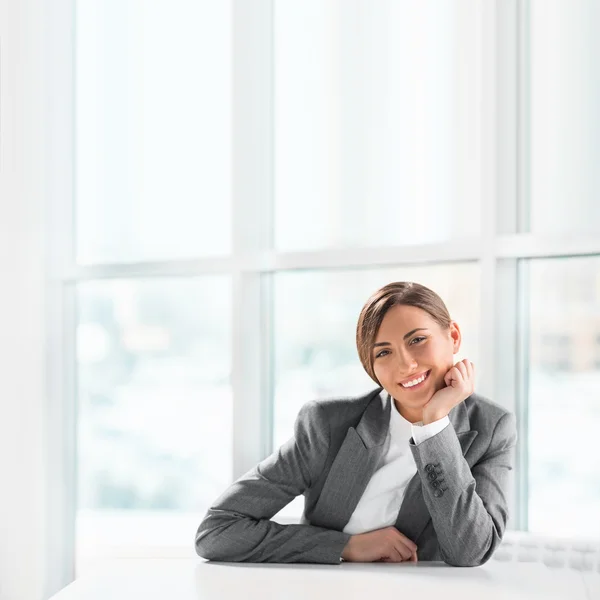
154, 409
153, 104
153, 186
375, 123
563, 397
561, 114
559, 202
555, 351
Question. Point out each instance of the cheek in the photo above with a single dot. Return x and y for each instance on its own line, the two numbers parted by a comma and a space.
438, 354
380, 371
377, 370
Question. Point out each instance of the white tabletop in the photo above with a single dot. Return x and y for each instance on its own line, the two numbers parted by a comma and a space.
181, 579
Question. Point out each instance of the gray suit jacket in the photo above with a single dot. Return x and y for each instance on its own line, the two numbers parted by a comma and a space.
454, 508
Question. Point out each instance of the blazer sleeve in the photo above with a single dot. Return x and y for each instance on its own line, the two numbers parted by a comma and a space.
237, 528
468, 507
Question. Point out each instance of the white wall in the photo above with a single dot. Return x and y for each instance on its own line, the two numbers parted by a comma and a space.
22, 505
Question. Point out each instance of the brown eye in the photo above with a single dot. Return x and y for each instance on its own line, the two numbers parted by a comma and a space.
417, 339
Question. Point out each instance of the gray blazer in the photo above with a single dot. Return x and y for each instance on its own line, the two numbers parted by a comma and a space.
454, 508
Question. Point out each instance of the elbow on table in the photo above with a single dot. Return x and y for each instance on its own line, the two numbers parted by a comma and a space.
210, 545
206, 547
206, 543
467, 561
467, 558
212, 542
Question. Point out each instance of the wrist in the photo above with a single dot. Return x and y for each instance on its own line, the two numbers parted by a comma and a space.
431, 417
346, 552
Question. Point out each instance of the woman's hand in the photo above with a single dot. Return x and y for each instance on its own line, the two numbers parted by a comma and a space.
460, 382
381, 545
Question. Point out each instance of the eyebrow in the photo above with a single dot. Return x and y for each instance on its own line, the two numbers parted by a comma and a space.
405, 337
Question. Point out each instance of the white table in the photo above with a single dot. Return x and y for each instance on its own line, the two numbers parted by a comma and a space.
182, 579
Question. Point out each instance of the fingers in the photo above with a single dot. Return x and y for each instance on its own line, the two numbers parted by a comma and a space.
449, 376
407, 542
462, 369
453, 375
398, 548
466, 369
405, 547
403, 552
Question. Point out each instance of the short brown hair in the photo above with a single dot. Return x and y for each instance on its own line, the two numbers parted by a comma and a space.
394, 294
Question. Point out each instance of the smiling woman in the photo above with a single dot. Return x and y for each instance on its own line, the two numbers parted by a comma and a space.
416, 469
418, 338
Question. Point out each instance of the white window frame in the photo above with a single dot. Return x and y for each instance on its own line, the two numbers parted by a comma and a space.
503, 146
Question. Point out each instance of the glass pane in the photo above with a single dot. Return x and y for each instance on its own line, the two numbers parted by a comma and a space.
154, 408
153, 151
564, 127
564, 396
315, 346
376, 113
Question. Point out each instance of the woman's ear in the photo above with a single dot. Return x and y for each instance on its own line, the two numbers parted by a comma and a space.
455, 336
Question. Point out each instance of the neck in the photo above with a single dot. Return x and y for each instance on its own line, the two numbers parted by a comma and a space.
411, 416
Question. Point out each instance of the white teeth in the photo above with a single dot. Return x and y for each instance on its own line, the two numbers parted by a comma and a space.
414, 381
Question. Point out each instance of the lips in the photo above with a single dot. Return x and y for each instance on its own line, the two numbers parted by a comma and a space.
418, 385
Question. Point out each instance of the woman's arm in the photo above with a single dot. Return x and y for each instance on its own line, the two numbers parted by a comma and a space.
469, 508
237, 527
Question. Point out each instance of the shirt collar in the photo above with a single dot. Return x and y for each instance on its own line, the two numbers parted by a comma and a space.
399, 426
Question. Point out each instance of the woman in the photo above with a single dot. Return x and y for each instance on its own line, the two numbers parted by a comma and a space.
417, 469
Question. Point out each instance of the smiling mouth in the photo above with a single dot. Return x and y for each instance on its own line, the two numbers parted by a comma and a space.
416, 383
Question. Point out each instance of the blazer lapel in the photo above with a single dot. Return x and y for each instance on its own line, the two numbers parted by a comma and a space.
353, 466
413, 515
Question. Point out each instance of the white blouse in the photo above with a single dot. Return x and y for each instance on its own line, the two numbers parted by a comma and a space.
380, 503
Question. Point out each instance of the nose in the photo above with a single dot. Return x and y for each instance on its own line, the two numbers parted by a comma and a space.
407, 364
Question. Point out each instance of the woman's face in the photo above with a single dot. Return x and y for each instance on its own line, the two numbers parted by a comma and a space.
412, 347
